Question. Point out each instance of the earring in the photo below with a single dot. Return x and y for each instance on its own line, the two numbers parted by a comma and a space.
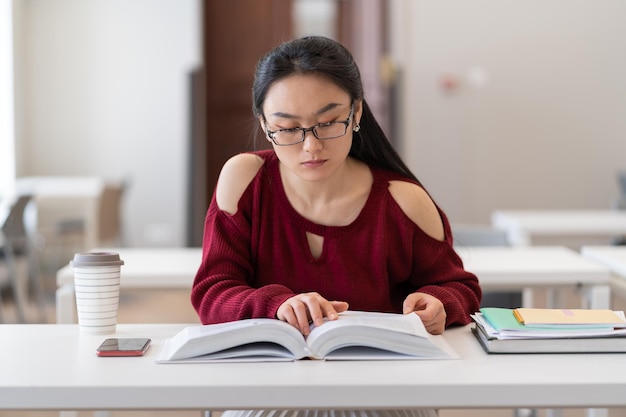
357, 128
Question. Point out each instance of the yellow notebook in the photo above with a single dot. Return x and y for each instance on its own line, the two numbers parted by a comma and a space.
558, 316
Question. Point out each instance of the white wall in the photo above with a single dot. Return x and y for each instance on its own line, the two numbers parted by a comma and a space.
7, 124
104, 91
101, 89
542, 124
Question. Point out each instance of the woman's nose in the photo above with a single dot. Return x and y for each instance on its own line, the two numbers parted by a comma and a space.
311, 142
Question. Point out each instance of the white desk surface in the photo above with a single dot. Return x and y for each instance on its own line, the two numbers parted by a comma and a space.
613, 257
522, 225
55, 367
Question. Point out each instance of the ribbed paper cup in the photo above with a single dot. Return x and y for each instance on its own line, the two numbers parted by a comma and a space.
87, 282
102, 308
97, 276
97, 288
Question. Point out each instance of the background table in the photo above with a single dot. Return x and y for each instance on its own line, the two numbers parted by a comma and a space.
55, 367
613, 257
522, 226
498, 268
149, 268
547, 267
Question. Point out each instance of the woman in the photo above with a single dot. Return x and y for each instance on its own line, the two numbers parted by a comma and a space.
330, 218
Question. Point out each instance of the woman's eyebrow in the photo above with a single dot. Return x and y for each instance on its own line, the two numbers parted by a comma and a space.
323, 110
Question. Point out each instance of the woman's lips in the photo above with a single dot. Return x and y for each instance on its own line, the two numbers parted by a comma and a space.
314, 163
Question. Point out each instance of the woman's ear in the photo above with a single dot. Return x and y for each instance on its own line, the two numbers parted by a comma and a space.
263, 124
358, 112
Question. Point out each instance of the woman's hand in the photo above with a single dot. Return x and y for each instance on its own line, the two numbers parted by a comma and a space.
429, 309
302, 309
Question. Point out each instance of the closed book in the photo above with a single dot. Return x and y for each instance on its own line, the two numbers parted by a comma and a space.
597, 344
566, 316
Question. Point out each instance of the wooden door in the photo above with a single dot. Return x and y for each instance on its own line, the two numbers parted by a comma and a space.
236, 34
362, 28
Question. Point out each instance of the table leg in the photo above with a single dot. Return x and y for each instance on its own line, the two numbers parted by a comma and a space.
554, 412
75, 414
599, 296
597, 412
527, 297
66, 304
518, 237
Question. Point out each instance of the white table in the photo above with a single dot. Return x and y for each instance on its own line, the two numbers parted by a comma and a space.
548, 267
149, 268
500, 268
53, 367
613, 257
524, 225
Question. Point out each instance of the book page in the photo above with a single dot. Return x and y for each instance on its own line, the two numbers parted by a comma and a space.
381, 335
253, 352
197, 341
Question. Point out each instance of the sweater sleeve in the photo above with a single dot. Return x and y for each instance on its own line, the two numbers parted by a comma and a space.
221, 290
440, 273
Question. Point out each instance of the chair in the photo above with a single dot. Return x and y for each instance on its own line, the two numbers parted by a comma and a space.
18, 235
621, 177
471, 235
69, 233
620, 203
110, 221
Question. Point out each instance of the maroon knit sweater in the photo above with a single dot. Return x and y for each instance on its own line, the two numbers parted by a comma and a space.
256, 259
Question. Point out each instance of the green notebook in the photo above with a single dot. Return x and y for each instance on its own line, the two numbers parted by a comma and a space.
501, 318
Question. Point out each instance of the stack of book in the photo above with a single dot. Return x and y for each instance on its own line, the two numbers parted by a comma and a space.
544, 330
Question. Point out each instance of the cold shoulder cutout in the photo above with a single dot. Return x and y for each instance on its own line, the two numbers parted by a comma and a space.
419, 207
236, 175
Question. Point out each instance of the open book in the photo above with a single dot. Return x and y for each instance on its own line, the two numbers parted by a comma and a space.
353, 336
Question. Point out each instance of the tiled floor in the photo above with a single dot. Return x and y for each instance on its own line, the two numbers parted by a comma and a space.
174, 307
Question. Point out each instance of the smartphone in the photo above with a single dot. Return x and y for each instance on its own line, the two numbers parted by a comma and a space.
123, 347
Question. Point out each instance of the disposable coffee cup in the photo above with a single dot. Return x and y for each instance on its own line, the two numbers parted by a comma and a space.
97, 288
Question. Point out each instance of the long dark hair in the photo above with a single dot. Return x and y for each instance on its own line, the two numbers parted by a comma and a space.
323, 56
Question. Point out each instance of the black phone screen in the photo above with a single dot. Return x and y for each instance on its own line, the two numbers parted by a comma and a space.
123, 346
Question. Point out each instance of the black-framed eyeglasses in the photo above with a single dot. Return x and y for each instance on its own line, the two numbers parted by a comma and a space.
322, 131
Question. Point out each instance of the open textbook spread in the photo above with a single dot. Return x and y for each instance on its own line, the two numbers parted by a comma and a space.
354, 335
